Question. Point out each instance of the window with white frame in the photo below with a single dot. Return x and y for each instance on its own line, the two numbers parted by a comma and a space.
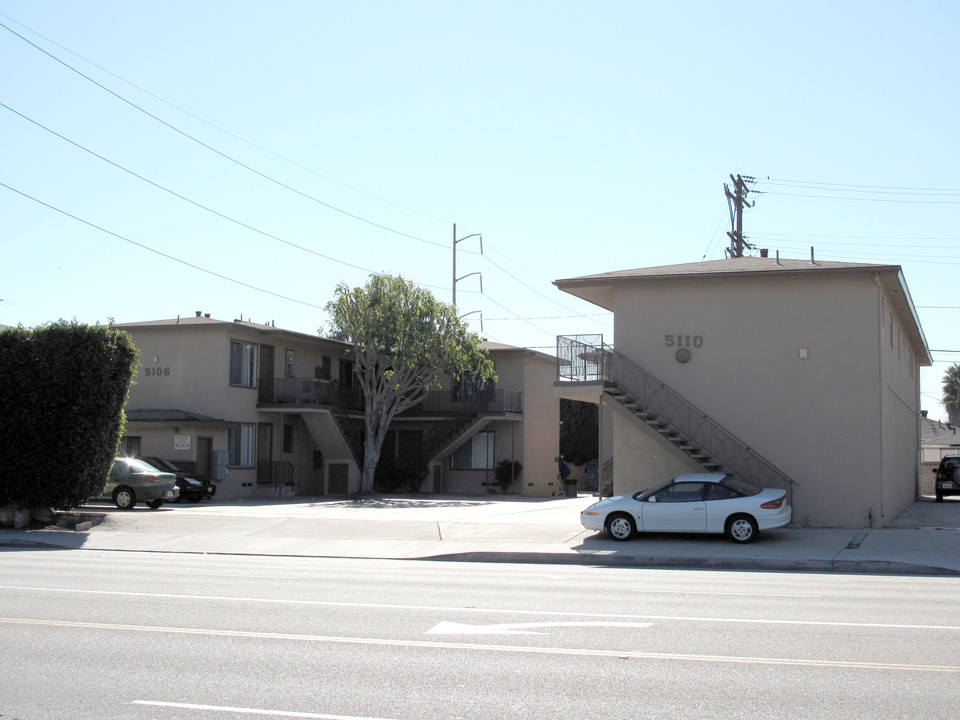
243, 363
241, 443
474, 455
289, 363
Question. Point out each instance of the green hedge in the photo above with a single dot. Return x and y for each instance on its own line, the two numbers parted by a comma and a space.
62, 391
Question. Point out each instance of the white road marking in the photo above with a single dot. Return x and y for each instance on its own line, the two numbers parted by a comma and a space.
583, 652
252, 711
492, 611
452, 628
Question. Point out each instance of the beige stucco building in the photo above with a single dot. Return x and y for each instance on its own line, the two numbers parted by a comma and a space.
791, 373
266, 411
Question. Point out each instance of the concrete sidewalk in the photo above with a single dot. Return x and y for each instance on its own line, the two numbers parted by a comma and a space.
925, 539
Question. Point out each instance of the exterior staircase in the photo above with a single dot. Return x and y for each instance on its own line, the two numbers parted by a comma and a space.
666, 412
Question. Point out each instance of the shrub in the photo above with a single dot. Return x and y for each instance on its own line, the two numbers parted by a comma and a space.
505, 472
62, 390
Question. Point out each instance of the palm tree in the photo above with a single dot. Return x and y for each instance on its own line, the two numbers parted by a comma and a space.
951, 393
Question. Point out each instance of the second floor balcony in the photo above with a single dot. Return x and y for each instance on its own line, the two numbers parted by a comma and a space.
309, 391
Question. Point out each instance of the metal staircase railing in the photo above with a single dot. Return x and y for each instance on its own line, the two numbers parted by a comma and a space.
667, 412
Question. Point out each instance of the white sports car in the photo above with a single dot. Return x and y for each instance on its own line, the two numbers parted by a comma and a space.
696, 503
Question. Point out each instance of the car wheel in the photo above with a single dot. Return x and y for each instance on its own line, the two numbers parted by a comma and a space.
621, 527
155, 504
939, 497
741, 529
124, 498
195, 499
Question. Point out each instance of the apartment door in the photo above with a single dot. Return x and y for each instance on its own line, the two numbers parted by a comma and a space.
265, 464
205, 457
265, 390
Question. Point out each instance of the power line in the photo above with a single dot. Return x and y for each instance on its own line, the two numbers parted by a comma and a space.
235, 161
157, 252
183, 197
774, 181
218, 152
223, 130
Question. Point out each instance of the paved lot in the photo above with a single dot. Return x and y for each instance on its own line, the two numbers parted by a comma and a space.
925, 539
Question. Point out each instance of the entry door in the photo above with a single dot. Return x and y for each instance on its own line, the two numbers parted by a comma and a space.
205, 457
678, 508
265, 465
265, 392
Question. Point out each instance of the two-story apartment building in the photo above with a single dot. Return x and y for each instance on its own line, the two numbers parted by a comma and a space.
791, 373
267, 411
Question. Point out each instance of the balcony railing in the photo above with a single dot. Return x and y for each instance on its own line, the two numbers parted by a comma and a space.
308, 391
452, 401
583, 358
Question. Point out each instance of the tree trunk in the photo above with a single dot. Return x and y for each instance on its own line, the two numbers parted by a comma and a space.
372, 443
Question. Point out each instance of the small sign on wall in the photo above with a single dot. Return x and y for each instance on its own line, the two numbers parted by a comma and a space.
181, 442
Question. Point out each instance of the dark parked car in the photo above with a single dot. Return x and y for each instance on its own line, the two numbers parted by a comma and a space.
192, 488
948, 477
132, 481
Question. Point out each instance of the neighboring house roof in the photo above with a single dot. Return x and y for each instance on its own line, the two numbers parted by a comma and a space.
166, 415
598, 289
936, 433
200, 321
494, 347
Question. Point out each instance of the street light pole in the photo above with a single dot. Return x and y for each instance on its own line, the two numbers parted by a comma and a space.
455, 278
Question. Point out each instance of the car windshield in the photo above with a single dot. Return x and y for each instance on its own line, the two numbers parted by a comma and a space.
740, 486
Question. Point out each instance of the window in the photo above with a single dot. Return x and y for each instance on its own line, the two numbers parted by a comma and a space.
243, 363
681, 492
472, 387
322, 371
474, 455
241, 443
289, 365
130, 445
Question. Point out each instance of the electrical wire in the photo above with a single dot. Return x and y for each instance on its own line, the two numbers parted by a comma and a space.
223, 130
157, 252
183, 197
218, 152
231, 159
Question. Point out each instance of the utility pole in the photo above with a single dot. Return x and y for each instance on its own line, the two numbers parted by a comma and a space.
458, 279
737, 201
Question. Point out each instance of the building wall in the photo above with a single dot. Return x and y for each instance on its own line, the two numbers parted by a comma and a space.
541, 423
186, 367
838, 421
532, 438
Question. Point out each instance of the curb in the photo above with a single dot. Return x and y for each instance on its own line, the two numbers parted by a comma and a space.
850, 567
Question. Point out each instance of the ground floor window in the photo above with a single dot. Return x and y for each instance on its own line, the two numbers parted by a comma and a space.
130, 445
241, 444
474, 455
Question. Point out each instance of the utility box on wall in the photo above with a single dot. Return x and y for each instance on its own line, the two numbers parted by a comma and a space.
220, 461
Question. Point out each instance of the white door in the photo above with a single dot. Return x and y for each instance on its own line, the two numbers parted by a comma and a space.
677, 508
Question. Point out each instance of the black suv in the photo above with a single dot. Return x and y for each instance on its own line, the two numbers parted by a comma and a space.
948, 477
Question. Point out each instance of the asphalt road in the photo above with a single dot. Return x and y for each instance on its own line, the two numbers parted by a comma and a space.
123, 635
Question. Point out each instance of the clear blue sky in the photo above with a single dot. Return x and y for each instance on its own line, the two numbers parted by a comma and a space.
335, 139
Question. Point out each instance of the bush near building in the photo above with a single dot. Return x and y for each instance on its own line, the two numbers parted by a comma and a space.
62, 391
